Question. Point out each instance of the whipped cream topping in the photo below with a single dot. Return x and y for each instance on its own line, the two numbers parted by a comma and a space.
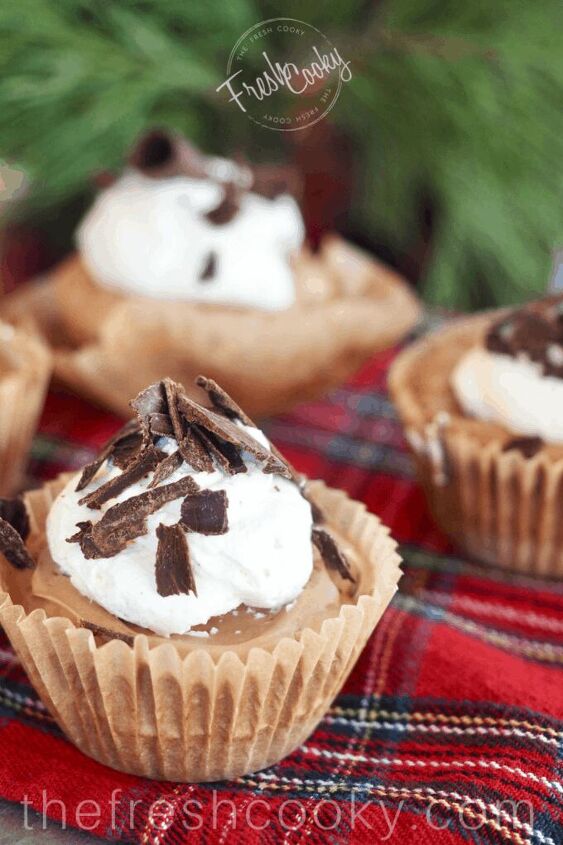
264, 559
150, 237
510, 391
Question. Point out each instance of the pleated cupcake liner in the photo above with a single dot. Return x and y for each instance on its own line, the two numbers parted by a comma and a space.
146, 710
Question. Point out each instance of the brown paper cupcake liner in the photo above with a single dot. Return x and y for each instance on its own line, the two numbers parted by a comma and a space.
499, 506
22, 394
147, 711
348, 307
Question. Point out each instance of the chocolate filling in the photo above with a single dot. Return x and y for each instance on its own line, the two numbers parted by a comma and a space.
173, 569
206, 512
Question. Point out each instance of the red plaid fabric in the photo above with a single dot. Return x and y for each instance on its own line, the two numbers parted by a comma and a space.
449, 730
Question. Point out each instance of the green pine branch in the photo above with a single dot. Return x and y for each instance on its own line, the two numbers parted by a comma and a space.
458, 102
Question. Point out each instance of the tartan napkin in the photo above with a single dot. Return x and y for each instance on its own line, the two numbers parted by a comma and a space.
449, 729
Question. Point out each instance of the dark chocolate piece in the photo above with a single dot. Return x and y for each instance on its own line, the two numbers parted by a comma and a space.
106, 451
331, 554
166, 467
13, 547
227, 430
151, 400
206, 512
161, 425
106, 633
127, 450
125, 521
222, 402
209, 270
499, 336
161, 154
527, 446
14, 511
84, 539
194, 451
227, 456
227, 208
153, 151
173, 569
145, 463
171, 390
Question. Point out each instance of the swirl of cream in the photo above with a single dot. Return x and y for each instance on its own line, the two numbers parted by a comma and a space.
151, 237
264, 559
510, 391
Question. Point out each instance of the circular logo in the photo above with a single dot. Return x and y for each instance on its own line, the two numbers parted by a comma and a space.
285, 74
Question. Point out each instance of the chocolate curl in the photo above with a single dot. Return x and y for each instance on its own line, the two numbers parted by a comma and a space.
161, 154
228, 206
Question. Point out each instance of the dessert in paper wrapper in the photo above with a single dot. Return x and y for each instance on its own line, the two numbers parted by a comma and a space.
25, 369
496, 488
145, 709
348, 307
229, 695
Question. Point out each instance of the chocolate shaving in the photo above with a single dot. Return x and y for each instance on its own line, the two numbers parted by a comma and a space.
13, 547
160, 154
331, 554
145, 463
106, 633
166, 467
127, 450
209, 268
171, 389
227, 208
92, 468
126, 520
227, 456
161, 425
195, 452
527, 446
173, 569
153, 151
222, 402
535, 331
14, 511
227, 430
206, 512
151, 400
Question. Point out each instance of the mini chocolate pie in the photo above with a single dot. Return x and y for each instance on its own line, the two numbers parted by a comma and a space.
485, 423
211, 270
202, 598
